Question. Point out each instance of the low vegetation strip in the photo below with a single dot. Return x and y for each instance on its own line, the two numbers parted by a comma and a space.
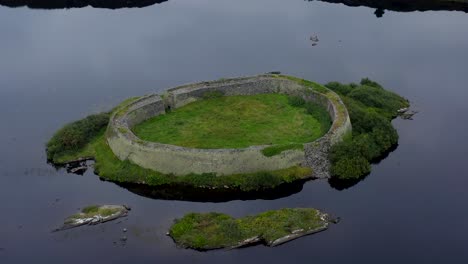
238, 122
205, 231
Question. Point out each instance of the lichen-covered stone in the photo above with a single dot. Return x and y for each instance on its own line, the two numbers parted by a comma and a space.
94, 214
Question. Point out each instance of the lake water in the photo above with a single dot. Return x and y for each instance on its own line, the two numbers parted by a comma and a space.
60, 65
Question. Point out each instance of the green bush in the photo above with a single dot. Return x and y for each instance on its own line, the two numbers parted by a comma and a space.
340, 88
371, 109
387, 103
350, 167
368, 82
76, 135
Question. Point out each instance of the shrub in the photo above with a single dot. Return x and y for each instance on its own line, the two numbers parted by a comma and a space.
386, 102
350, 168
339, 87
371, 109
76, 135
368, 82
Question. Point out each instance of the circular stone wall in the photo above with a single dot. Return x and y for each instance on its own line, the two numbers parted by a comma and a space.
170, 159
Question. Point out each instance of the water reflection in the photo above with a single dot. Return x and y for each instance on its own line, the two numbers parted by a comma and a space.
405, 5
187, 193
65, 4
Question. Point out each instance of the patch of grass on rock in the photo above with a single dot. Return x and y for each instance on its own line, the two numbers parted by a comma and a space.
205, 231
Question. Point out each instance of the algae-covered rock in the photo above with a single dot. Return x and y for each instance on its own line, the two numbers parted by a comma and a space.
95, 214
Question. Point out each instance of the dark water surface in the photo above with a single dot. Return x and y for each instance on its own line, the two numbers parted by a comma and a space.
60, 65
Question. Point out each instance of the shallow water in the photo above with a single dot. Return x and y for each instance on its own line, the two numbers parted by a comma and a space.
60, 65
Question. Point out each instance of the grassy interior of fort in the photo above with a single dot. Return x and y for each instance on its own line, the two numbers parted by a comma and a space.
371, 109
205, 231
86, 138
238, 122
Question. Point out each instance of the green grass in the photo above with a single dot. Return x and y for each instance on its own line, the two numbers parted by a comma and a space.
109, 167
371, 110
91, 211
236, 122
215, 230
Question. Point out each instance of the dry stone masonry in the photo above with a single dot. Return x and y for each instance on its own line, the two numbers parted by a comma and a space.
176, 160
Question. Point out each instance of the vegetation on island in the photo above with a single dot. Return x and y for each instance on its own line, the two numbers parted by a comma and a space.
109, 167
371, 109
75, 136
239, 122
204, 231
95, 214
93, 210
77, 139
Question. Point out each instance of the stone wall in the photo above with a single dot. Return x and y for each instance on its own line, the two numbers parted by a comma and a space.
178, 160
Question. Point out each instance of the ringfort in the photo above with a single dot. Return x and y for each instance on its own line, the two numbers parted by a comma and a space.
179, 160
246, 134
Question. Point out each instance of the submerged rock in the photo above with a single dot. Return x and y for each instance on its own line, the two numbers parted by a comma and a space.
314, 39
403, 110
95, 214
79, 170
406, 113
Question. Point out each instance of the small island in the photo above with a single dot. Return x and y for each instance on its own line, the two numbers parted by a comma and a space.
244, 134
207, 231
95, 214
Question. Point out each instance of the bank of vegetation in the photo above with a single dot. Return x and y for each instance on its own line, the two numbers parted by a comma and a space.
371, 109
